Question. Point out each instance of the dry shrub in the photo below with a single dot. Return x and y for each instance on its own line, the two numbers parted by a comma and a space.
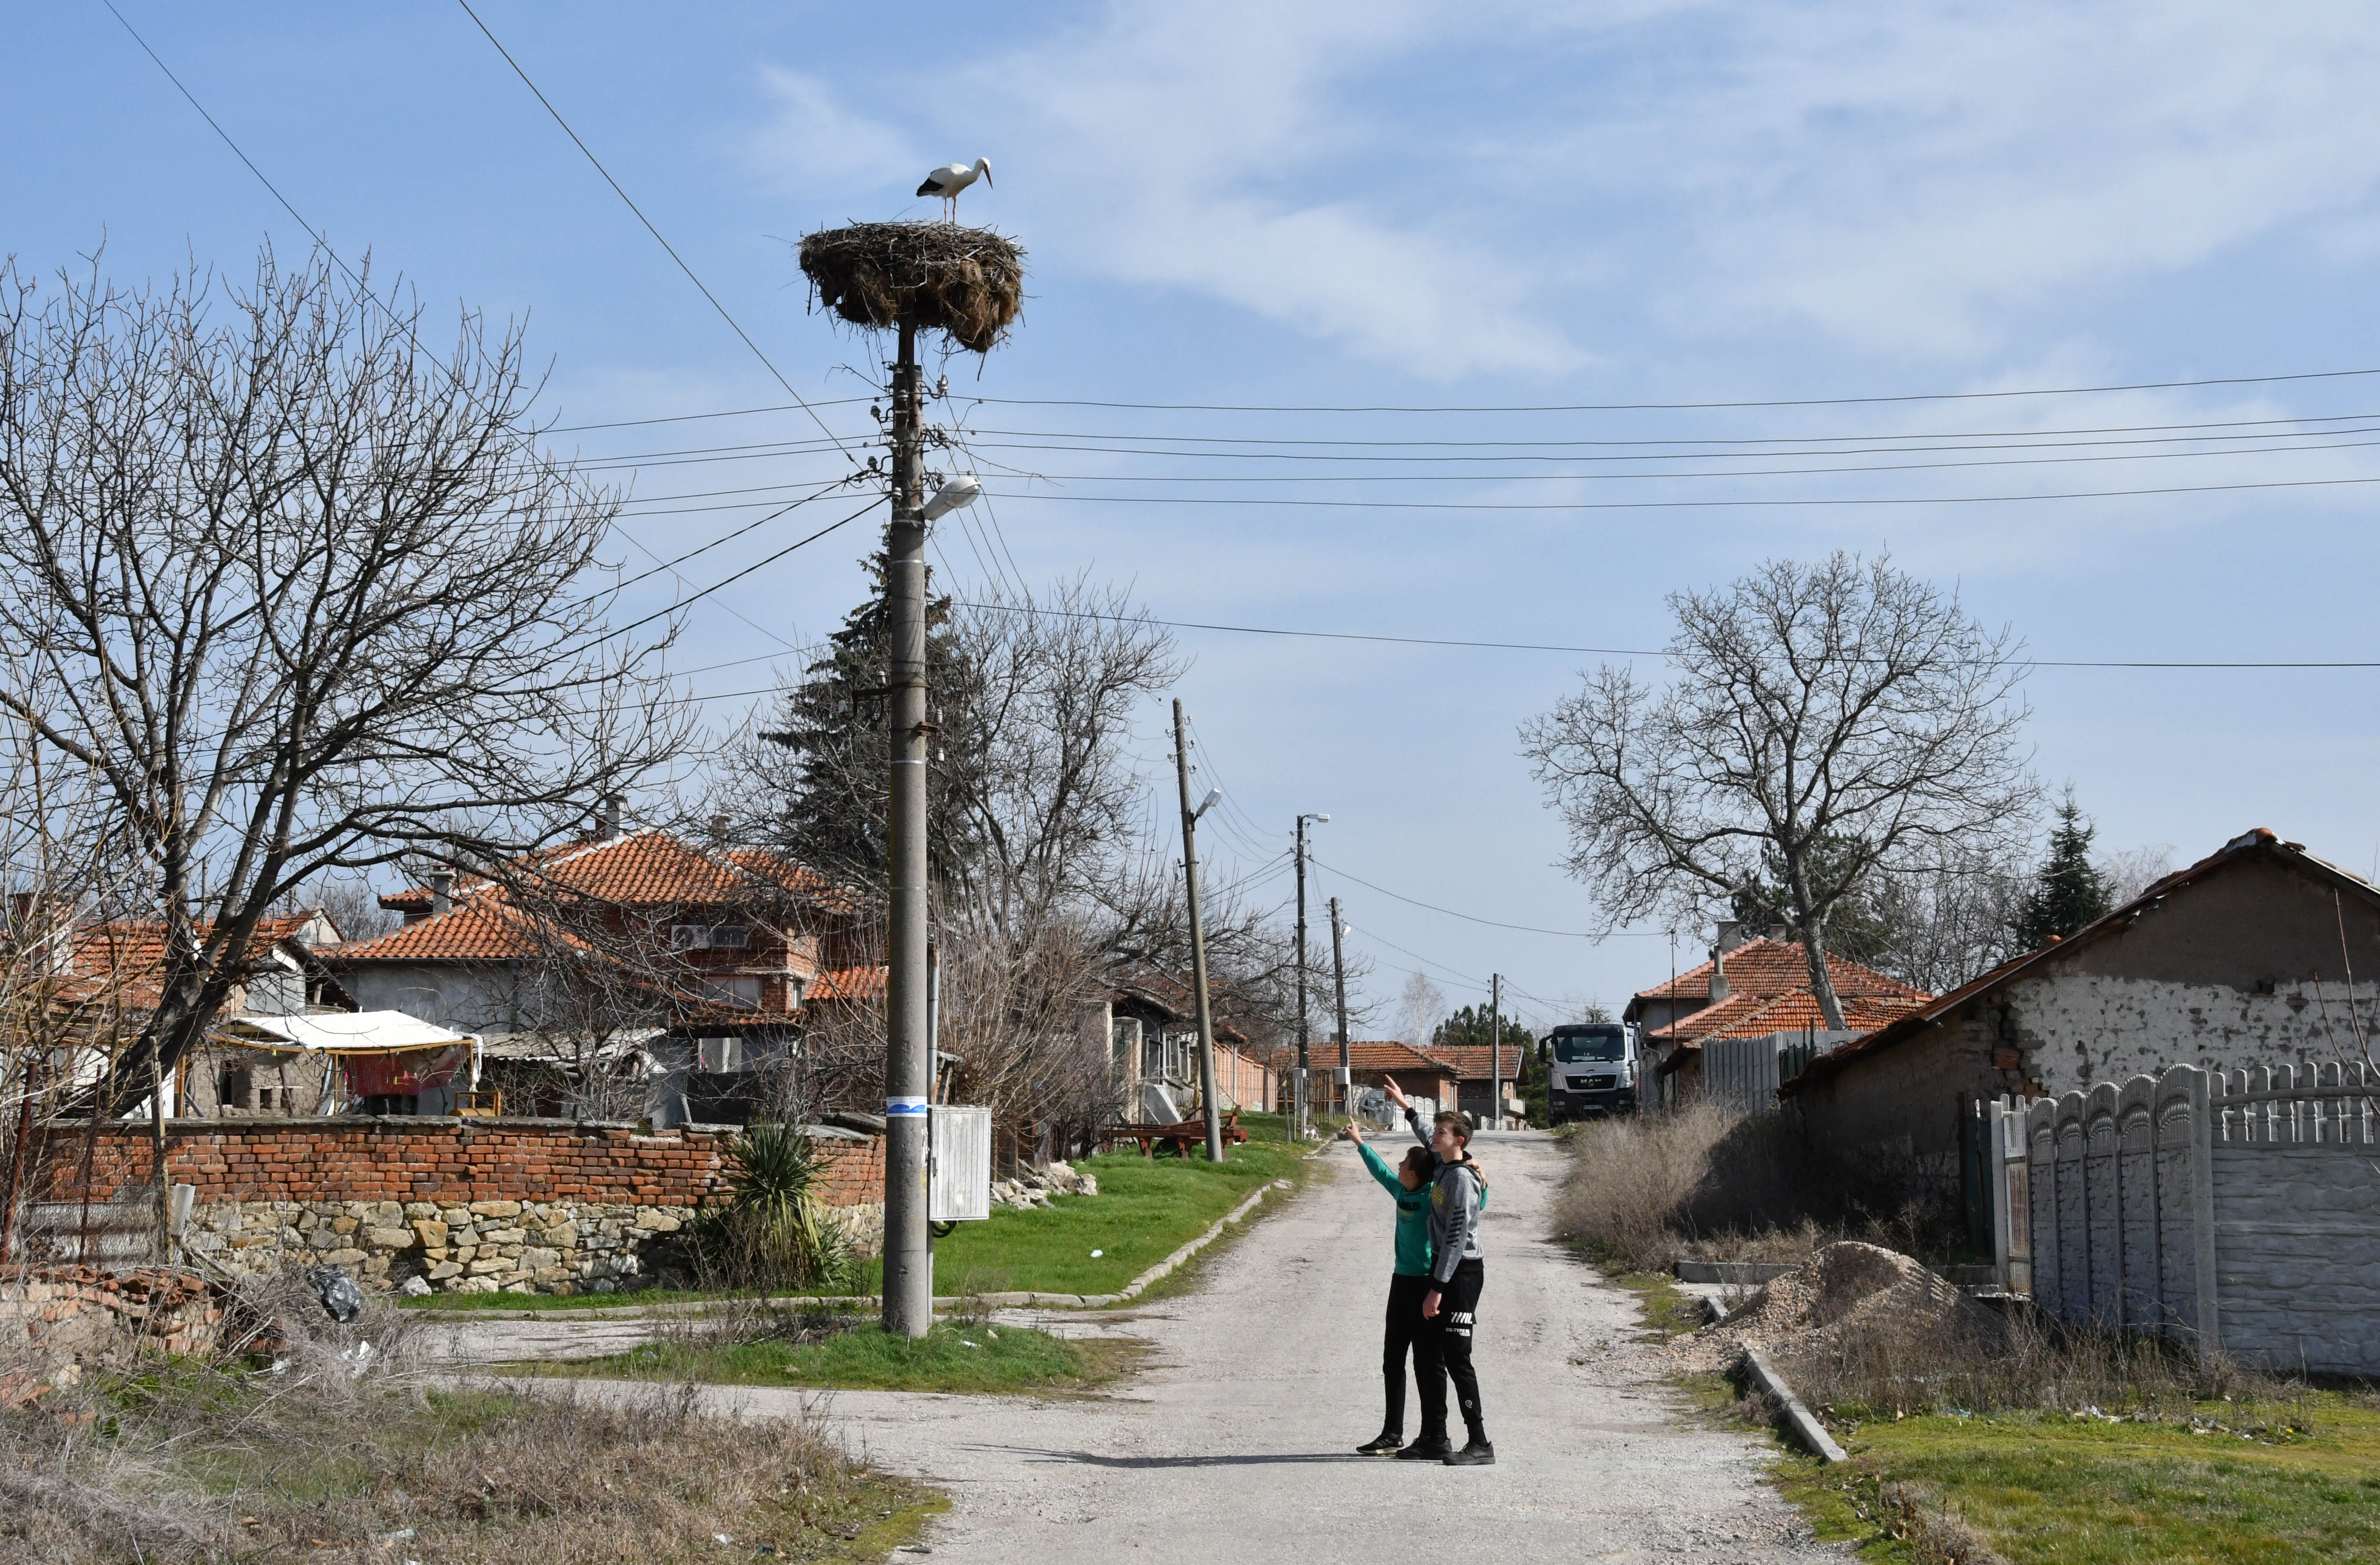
1883, 1367
967, 282
332, 1455
1711, 1184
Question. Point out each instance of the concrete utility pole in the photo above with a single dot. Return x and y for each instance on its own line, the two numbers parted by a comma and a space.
1305, 1072
1339, 976
909, 1062
1496, 1048
1198, 935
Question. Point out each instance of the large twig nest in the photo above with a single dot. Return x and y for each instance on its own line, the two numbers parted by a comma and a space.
966, 282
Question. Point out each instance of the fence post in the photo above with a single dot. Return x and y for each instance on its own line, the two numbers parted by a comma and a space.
2202, 1214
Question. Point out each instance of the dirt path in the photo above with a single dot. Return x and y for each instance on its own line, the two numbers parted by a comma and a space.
1242, 1424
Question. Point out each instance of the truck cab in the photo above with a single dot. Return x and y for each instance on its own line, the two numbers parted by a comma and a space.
1591, 1070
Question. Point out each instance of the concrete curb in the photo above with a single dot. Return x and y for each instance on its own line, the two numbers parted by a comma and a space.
1799, 1419
1130, 1291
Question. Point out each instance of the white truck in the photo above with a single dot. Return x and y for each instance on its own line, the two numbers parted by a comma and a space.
1592, 1070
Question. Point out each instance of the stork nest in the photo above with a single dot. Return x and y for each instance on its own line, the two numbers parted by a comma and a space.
966, 282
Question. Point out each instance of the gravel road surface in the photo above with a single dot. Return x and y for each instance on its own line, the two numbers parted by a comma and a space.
1240, 1429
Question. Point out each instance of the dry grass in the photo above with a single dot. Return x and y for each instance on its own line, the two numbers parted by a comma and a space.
966, 282
1705, 1183
320, 1449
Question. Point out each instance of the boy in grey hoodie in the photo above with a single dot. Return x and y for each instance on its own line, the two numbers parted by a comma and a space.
1457, 1271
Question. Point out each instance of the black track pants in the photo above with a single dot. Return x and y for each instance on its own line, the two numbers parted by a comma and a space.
1404, 1332
1444, 1353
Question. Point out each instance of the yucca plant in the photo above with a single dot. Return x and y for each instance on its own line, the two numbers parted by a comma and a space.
771, 1226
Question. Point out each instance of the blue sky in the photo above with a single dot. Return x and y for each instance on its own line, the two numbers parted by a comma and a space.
1410, 205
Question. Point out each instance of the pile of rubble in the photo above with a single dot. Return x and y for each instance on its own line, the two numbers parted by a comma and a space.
1845, 1291
57, 1322
1034, 1187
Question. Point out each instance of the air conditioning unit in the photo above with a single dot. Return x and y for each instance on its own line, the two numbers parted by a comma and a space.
689, 937
958, 1163
720, 1056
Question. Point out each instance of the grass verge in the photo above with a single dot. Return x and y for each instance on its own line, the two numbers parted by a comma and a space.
1668, 1312
968, 1357
2287, 1483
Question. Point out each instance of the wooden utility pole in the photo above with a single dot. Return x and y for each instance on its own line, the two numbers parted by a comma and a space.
1213, 1115
1339, 977
908, 1063
1305, 1074
1496, 1050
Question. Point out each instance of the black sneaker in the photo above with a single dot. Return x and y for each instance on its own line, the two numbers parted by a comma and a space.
1429, 1447
1478, 1453
1382, 1444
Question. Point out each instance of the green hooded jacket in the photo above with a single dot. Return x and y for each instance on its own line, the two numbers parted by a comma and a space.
1413, 1214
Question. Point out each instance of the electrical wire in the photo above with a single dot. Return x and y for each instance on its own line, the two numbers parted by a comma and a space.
682, 603
1684, 406
1628, 651
1491, 923
616, 189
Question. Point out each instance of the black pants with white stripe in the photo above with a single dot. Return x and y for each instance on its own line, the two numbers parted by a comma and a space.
1442, 1352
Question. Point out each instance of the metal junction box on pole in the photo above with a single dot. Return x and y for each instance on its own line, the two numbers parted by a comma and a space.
959, 1164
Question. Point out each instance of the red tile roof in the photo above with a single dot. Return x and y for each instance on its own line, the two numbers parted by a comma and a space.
1388, 1057
1472, 1061
486, 929
1747, 1015
848, 983
646, 868
1769, 968
124, 961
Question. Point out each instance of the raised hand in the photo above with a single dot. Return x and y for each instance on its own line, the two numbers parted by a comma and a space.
1396, 1094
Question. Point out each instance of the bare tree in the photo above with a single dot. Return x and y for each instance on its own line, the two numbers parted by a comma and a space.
1847, 721
2130, 872
1419, 1006
298, 597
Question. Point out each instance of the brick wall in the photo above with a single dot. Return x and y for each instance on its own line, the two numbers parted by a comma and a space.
406, 1159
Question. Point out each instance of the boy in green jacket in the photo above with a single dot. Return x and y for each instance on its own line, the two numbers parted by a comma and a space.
1409, 1183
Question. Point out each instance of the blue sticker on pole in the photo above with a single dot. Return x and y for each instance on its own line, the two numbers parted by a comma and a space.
904, 1106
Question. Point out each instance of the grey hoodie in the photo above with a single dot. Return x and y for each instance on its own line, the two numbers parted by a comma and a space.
1455, 1198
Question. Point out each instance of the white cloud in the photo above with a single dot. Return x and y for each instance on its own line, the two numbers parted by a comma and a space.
817, 144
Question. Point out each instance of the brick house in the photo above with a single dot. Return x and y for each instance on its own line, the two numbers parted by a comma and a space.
1473, 1063
631, 957
1417, 1074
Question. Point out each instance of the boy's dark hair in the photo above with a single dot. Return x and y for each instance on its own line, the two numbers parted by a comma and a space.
1422, 1161
1456, 1120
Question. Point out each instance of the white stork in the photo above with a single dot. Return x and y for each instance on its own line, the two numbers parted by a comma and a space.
950, 180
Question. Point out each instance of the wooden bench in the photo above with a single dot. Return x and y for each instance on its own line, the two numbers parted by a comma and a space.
1183, 1135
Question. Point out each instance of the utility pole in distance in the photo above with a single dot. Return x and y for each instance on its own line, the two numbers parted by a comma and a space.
1304, 1065
1198, 934
1339, 976
1496, 1049
908, 1069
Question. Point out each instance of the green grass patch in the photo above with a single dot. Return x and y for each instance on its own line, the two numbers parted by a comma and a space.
1146, 1208
959, 1356
2283, 1484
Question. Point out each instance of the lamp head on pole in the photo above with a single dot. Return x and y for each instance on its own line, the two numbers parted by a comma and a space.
963, 490
1214, 797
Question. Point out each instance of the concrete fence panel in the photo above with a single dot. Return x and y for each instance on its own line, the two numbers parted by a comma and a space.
2238, 1212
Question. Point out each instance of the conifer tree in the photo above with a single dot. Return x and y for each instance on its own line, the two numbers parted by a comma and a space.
2068, 891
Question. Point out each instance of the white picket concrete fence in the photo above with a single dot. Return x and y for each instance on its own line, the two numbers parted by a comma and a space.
2237, 1212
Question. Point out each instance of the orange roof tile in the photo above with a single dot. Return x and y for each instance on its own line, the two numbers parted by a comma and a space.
486, 929
1388, 1057
1769, 968
644, 868
848, 983
1472, 1061
1746, 1015
124, 960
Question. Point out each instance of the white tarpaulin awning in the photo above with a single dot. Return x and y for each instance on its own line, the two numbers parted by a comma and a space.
340, 1032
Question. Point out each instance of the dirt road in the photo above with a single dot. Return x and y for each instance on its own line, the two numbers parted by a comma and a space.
1240, 1428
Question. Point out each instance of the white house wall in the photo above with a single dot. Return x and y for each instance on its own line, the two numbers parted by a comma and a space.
2078, 1028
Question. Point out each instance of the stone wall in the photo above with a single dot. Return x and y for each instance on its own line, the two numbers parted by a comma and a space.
2238, 1212
467, 1206
55, 1322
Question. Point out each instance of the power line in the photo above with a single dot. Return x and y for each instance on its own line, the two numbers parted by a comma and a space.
723, 413
1603, 652
1681, 505
1491, 923
1682, 406
674, 608
648, 222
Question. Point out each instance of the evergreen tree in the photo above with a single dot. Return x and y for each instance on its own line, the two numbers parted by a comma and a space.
2068, 890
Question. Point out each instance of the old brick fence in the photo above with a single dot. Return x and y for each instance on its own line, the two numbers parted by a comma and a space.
470, 1206
2237, 1212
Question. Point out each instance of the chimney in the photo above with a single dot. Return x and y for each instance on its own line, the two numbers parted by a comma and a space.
1776, 931
610, 825
1731, 934
442, 891
1718, 972
718, 829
